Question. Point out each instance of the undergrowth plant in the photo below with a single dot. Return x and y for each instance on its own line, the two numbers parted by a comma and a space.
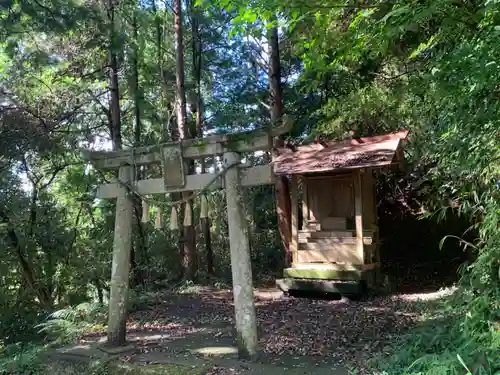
67, 324
16, 359
461, 334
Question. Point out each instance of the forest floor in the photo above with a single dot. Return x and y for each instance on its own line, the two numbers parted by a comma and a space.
330, 336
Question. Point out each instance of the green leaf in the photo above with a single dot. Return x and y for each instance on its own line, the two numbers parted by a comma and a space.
398, 11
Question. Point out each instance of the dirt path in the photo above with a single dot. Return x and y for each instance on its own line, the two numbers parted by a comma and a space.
294, 332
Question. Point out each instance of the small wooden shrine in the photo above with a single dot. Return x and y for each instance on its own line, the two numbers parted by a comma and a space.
334, 233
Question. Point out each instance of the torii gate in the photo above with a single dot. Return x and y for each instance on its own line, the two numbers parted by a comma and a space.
172, 157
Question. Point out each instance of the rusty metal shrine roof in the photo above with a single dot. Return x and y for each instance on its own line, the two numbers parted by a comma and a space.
332, 156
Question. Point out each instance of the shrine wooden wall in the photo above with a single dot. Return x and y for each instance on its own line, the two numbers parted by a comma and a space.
328, 232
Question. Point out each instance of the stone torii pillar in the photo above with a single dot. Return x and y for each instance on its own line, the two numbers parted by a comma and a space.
122, 245
241, 267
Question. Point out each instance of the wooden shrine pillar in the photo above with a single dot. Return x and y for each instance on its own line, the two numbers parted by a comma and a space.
122, 246
241, 268
358, 212
294, 240
305, 204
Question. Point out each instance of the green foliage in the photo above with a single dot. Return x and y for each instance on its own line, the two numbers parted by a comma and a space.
67, 324
19, 360
449, 340
18, 322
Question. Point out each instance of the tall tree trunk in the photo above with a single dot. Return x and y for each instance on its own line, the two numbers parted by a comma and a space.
282, 188
135, 83
170, 130
138, 251
197, 47
115, 127
184, 131
99, 289
180, 74
166, 115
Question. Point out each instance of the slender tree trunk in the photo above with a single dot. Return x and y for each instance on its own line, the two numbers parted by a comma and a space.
135, 83
184, 131
282, 188
166, 113
170, 130
180, 74
139, 250
115, 127
99, 289
205, 227
197, 47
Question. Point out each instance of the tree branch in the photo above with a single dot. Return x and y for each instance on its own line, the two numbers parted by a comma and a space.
55, 172
105, 109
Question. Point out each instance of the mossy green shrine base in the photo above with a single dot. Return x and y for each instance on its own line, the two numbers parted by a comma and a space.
350, 280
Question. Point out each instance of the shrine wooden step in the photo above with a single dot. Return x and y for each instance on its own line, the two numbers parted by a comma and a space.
332, 223
335, 266
312, 226
354, 288
340, 253
329, 271
332, 243
303, 234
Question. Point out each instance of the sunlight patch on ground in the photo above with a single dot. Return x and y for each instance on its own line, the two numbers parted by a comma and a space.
154, 325
216, 350
268, 294
430, 296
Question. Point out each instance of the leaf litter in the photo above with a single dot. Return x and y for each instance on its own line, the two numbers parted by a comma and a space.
291, 330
